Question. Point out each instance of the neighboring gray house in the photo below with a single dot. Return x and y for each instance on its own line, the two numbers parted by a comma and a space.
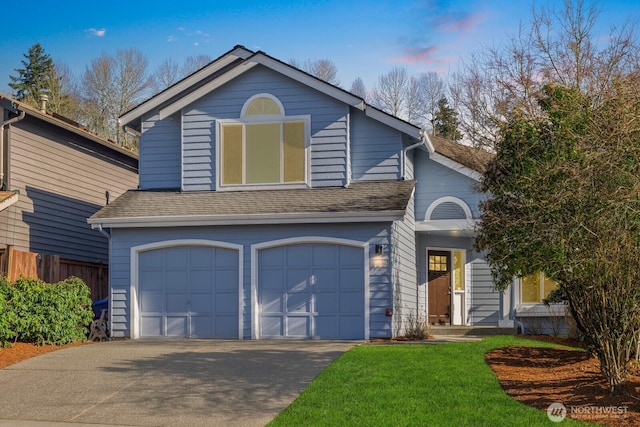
272, 204
54, 175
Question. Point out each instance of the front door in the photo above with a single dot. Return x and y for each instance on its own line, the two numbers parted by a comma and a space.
439, 287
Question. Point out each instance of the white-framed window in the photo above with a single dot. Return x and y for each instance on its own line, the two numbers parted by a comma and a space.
535, 287
264, 147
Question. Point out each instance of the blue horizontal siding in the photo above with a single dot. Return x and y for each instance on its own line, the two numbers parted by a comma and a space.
160, 153
375, 149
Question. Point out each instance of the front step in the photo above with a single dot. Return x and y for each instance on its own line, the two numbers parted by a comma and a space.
479, 331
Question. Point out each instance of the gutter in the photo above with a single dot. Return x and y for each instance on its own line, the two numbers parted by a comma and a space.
2, 128
101, 230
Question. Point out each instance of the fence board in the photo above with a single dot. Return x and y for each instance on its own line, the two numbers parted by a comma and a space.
52, 269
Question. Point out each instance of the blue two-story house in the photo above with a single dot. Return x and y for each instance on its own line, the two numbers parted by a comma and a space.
272, 204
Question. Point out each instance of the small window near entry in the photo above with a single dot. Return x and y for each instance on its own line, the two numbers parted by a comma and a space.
438, 263
535, 287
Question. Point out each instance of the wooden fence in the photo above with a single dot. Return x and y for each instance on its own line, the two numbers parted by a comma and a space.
52, 269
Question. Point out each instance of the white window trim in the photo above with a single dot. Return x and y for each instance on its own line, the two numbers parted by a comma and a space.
530, 304
306, 119
248, 102
447, 199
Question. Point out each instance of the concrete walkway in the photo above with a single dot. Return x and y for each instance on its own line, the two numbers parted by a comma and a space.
162, 383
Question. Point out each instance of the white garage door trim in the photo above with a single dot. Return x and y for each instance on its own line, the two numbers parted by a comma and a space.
255, 315
134, 309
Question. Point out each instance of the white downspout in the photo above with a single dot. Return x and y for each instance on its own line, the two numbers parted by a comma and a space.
2, 128
102, 231
405, 150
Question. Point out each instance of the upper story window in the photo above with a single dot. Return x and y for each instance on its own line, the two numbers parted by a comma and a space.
535, 287
264, 146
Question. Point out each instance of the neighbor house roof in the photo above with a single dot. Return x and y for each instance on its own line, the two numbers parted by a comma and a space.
63, 123
7, 198
360, 201
235, 63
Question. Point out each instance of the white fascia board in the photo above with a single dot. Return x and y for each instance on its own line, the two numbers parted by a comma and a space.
445, 161
205, 89
183, 85
250, 219
467, 225
8, 201
428, 143
394, 122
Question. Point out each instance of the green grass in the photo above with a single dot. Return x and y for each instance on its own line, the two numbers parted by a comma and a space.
413, 385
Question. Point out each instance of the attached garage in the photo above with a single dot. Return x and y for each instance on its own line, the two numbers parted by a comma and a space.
312, 290
187, 289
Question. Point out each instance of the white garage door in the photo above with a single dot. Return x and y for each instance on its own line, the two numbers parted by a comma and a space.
188, 291
311, 291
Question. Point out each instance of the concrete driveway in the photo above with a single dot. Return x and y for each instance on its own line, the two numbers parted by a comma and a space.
162, 383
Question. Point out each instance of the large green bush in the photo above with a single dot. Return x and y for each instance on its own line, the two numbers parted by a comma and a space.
44, 313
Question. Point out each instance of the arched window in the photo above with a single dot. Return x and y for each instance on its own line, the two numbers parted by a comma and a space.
264, 147
448, 208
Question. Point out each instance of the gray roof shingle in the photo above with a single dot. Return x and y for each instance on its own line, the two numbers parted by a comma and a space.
359, 197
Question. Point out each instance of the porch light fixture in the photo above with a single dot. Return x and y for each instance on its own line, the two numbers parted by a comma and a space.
378, 260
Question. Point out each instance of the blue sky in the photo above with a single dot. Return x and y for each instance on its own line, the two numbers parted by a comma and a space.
363, 38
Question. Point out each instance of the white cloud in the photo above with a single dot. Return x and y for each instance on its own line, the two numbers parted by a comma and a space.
95, 32
171, 39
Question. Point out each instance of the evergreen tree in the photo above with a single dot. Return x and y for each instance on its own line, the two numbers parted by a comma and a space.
445, 123
37, 77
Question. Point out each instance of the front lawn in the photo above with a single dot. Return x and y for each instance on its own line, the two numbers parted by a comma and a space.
413, 384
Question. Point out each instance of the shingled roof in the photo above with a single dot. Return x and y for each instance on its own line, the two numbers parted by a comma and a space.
473, 158
359, 200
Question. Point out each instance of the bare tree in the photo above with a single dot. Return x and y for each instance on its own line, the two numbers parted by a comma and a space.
557, 47
358, 88
167, 73
390, 93
324, 69
193, 63
111, 86
432, 88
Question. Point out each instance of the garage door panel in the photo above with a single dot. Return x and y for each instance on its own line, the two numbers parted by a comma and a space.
182, 293
351, 278
272, 279
299, 303
272, 257
201, 303
327, 327
202, 326
152, 326
297, 280
271, 326
299, 256
200, 279
325, 255
226, 280
151, 280
176, 257
151, 302
327, 303
351, 302
226, 303
351, 327
272, 302
351, 255
176, 326
326, 279
175, 279
201, 257
298, 327
176, 302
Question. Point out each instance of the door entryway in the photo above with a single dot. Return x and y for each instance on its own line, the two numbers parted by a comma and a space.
439, 294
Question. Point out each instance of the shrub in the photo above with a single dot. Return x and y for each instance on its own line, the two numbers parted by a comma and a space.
7, 316
417, 328
49, 313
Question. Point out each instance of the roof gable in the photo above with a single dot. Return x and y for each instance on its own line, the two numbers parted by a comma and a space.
235, 63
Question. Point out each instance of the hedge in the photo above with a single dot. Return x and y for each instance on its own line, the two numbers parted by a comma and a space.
42, 313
